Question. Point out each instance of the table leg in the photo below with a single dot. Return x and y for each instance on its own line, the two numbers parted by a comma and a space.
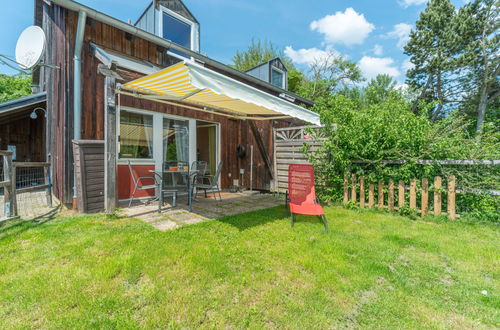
190, 195
160, 198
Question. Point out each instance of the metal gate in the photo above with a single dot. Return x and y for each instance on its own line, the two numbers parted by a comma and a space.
289, 149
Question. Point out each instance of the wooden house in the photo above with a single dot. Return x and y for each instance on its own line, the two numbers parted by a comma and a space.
115, 84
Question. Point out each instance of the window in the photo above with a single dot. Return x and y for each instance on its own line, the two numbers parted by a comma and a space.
277, 78
136, 135
175, 140
177, 30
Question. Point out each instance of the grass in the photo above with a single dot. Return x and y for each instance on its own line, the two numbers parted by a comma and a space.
251, 270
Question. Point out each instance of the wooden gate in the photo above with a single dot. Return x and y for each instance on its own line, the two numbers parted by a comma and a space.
289, 149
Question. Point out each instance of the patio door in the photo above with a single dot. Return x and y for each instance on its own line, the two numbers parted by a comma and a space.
207, 136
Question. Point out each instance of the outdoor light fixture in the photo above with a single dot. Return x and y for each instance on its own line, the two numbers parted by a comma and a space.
33, 115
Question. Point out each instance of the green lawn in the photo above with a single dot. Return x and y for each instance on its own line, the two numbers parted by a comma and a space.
251, 270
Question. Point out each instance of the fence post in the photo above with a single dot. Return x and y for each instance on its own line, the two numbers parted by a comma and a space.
401, 194
390, 197
13, 182
437, 195
413, 194
425, 196
353, 188
346, 188
371, 195
380, 194
49, 185
9, 192
362, 191
451, 197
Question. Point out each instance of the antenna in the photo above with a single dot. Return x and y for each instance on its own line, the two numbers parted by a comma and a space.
30, 47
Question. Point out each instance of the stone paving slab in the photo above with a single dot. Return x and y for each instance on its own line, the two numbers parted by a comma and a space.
203, 209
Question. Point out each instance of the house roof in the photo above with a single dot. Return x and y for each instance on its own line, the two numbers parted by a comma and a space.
22, 103
265, 63
99, 16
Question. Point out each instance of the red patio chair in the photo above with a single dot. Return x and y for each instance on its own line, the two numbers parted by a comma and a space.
301, 196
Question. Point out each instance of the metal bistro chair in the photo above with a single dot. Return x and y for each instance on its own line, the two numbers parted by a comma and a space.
212, 182
138, 184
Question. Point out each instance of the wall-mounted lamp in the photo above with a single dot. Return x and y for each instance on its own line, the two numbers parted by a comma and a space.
33, 115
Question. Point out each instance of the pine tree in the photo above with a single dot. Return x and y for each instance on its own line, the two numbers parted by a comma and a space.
431, 48
478, 23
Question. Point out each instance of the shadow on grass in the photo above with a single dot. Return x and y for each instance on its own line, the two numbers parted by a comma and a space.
252, 219
16, 227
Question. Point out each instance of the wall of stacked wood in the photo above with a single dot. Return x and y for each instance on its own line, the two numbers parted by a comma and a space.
60, 26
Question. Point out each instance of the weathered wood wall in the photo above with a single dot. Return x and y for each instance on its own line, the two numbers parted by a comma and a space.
28, 135
89, 167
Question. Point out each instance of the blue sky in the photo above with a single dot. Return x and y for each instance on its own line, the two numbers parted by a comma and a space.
368, 32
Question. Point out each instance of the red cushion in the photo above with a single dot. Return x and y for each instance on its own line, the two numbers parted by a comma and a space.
307, 208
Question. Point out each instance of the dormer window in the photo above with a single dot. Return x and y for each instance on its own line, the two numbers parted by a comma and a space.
277, 78
177, 28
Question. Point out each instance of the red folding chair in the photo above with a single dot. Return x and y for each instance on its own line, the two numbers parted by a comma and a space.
301, 195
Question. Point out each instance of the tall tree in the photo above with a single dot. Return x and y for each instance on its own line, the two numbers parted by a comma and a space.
12, 87
431, 50
478, 23
328, 75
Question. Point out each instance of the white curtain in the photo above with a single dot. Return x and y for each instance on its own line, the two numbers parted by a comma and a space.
182, 140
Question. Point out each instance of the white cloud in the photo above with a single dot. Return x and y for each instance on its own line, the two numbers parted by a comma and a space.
401, 32
378, 50
408, 3
348, 27
372, 66
308, 56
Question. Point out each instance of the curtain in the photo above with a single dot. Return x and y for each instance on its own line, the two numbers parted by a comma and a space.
182, 141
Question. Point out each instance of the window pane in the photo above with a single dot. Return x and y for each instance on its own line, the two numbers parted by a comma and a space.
277, 78
176, 31
175, 141
136, 135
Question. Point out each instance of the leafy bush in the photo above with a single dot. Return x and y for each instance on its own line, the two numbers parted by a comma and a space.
388, 130
12, 87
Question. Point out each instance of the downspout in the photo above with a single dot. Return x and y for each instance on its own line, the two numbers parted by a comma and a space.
77, 83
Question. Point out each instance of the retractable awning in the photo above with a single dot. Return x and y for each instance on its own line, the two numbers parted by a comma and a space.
192, 83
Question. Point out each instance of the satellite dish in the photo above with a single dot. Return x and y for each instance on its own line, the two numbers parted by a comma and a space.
30, 47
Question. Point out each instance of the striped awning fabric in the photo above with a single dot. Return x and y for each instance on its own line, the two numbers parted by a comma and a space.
192, 83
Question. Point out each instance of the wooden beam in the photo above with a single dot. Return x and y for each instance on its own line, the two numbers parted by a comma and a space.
262, 147
110, 138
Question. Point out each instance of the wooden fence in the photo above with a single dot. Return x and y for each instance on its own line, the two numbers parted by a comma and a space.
355, 190
21, 178
288, 149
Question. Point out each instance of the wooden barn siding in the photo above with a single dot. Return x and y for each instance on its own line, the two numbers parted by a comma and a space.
28, 135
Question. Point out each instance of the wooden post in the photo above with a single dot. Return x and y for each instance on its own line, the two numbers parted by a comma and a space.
390, 197
437, 195
401, 194
346, 188
413, 194
380, 194
371, 195
451, 197
425, 197
110, 141
49, 185
353, 188
9, 189
362, 191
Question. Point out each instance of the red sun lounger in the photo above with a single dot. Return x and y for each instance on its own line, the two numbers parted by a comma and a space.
301, 198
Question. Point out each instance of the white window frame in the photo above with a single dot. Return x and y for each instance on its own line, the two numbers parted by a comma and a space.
283, 83
194, 29
157, 137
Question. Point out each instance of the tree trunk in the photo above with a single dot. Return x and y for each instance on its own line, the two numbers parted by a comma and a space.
439, 87
481, 109
414, 108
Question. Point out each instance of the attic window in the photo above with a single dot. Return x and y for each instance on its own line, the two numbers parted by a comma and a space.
177, 28
277, 78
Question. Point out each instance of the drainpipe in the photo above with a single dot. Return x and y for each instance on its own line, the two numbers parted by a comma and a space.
77, 84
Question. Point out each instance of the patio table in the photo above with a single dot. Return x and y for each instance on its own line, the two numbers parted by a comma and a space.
187, 174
